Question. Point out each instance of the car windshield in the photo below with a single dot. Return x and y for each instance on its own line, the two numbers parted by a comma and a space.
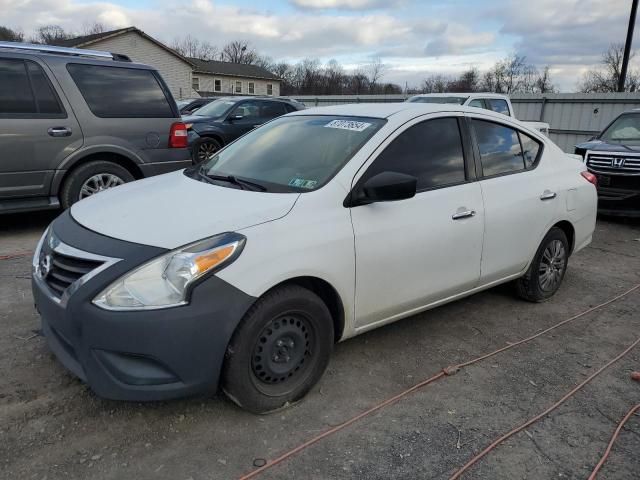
217, 108
625, 129
291, 154
454, 100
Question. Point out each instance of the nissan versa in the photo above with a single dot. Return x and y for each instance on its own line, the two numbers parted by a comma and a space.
313, 228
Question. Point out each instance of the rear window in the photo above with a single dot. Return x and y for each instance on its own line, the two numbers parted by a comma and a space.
119, 92
25, 91
499, 105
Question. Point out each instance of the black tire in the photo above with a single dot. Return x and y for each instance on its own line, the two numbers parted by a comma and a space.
203, 148
547, 270
72, 188
279, 351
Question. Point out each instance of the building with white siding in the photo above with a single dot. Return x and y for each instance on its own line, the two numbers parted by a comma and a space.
185, 77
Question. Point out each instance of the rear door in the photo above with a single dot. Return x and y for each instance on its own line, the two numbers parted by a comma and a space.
38, 129
519, 194
270, 110
417, 251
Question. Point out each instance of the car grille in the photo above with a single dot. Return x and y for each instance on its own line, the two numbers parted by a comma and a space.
614, 163
65, 270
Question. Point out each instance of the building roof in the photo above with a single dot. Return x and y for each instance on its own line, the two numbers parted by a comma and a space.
86, 40
231, 69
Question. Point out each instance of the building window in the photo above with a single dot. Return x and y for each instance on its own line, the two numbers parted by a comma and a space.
252, 88
238, 87
269, 89
217, 85
195, 83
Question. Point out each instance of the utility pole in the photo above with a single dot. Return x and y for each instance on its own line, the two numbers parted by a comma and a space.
627, 46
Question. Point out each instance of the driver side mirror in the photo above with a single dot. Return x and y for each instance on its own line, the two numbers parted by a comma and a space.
385, 187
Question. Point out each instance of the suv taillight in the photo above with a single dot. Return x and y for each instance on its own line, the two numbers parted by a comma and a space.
178, 135
590, 177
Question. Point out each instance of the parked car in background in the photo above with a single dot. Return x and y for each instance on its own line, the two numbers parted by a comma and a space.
614, 157
489, 101
225, 119
314, 228
190, 105
75, 122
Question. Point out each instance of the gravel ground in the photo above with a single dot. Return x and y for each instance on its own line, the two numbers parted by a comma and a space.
52, 426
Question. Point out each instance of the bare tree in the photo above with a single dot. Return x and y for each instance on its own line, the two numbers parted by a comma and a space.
9, 35
437, 83
189, 46
543, 83
93, 28
374, 72
606, 77
469, 81
239, 51
50, 34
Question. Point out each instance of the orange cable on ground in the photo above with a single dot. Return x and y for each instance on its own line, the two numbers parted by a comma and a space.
445, 372
15, 255
612, 441
504, 437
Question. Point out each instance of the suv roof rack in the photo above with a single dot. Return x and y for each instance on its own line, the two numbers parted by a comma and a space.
79, 52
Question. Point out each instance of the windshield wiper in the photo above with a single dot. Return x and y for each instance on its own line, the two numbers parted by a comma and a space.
243, 184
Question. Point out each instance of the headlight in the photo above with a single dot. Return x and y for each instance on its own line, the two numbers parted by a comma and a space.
164, 281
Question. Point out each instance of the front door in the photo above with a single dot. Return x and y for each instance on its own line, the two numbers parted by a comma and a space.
242, 119
414, 252
37, 132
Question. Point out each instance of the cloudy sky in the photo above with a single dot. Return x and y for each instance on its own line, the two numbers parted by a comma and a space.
414, 38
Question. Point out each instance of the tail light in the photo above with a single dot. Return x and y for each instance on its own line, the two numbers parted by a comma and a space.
178, 136
590, 177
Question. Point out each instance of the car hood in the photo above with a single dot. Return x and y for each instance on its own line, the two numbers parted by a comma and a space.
172, 210
600, 146
198, 119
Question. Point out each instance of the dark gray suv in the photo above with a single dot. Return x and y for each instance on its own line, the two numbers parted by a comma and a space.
74, 122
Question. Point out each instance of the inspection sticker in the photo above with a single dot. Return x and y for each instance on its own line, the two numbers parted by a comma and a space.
302, 183
348, 125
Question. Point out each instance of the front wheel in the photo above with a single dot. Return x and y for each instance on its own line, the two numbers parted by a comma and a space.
279, 351
546, 272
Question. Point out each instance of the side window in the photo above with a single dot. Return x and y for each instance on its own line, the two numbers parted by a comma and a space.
25, 90
530, 149
430, 151
46, 98
119, 92
272, 110
500, 150
248, 110
499, 105
478, 103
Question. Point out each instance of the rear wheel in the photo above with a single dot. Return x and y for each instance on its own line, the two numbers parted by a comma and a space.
91, 178
279, 351
204, 148
547, 270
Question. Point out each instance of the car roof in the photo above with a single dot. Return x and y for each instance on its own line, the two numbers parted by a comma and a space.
386, 110
463, 94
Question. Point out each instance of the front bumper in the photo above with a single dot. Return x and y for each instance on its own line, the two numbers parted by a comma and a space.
137, 355
618, 202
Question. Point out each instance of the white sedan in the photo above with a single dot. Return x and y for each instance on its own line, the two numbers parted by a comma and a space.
243, 271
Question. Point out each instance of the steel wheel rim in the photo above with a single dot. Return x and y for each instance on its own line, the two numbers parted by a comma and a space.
206, 149
552, 266
98, 183
283, 353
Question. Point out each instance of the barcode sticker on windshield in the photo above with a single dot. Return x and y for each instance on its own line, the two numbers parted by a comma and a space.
348, 125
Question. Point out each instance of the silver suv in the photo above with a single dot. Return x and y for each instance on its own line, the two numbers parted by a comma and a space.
74, 122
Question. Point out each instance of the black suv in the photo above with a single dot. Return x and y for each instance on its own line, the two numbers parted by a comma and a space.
220, 122
614, 157
74, 122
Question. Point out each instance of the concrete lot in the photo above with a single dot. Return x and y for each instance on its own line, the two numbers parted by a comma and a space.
52, 426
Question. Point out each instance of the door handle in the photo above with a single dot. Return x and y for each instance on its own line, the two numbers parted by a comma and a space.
460, 214
59, 131
547, 195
